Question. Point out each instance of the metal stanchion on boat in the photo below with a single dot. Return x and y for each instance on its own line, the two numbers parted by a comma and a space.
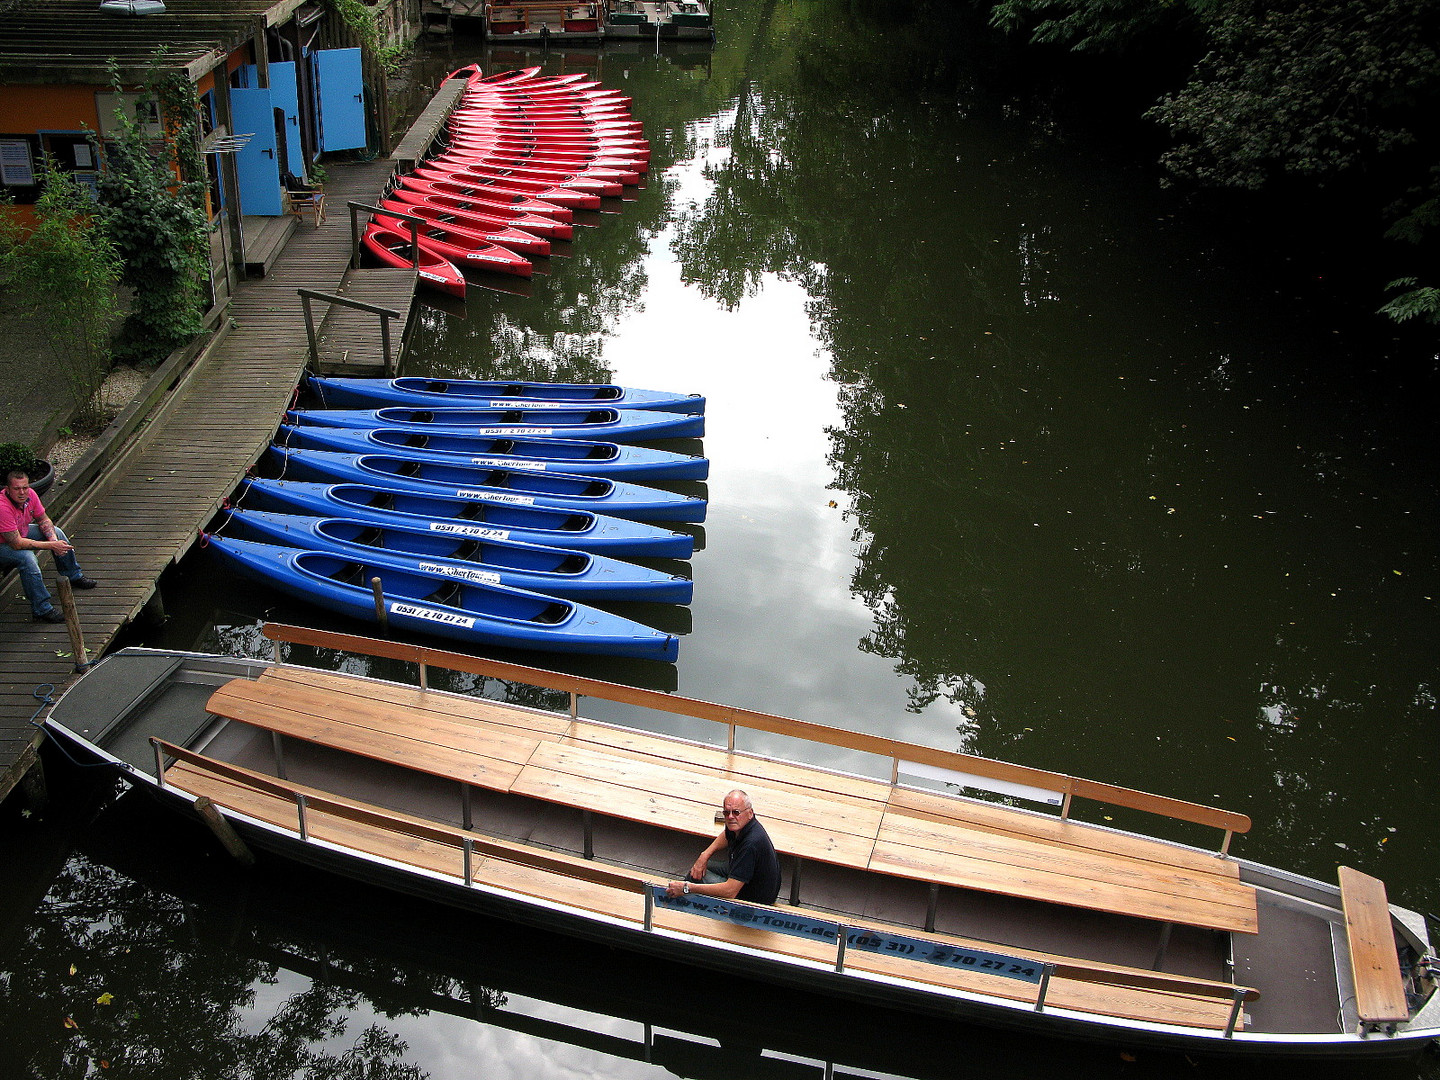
1045, 974
649, 908
300, 815
468, 846
840, 947
159, 763
380, 615
1235, 1012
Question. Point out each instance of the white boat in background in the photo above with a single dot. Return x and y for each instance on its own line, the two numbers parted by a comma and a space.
898, 891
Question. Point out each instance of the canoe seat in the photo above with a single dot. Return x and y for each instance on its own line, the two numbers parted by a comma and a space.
371, 536
382, 500
466, 551
448, 595
553, 613
418, 438
349, 574
1374, 962
409, 468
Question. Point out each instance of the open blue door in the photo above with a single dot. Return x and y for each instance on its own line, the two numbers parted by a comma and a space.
285, 95
252, 114
340, 93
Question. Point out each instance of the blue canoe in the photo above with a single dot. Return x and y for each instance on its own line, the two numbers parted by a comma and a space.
564, 491
476, 518
608, 425
488, 394
539, 455
575, 575
435, 604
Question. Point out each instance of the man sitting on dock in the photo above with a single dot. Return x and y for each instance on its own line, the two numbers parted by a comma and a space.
26, 528
753, 870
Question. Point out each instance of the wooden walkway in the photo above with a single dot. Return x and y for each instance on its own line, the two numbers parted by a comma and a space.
145, 511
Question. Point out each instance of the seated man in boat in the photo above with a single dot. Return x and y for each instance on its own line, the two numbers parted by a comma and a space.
26, 528
753, 869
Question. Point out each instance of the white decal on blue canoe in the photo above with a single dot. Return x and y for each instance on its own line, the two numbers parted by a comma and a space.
507, 463
465, 573
512, 430
495, 496
469, 530
512, 403
448, 617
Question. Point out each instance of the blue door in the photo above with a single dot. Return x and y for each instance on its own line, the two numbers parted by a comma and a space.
285, 96
340, 90
256, 164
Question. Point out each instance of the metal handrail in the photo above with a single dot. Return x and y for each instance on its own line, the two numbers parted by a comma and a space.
386, 314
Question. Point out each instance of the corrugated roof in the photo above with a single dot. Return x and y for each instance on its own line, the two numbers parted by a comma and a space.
71, 41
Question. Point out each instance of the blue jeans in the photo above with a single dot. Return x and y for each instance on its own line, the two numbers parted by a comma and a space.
31, 579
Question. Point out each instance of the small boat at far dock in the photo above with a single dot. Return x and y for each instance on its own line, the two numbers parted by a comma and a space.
685, 20
897, 890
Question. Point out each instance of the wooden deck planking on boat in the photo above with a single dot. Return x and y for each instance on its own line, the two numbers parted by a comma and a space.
576, 892
459, 765
1374, 962
992, 873
475, 710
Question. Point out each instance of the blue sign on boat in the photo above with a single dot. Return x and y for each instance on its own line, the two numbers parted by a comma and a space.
874, 941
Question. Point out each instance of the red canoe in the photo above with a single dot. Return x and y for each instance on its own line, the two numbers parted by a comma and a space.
484, 231
441, 183
392, 249
602, 182
579, 200
473, 215
538, 167
465, 250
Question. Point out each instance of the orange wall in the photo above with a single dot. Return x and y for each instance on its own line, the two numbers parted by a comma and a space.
25, 110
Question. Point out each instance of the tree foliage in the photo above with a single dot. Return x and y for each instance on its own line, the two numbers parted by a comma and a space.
157, 224
64, 271
1310, 90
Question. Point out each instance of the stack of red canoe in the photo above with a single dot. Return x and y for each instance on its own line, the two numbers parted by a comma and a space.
524, 152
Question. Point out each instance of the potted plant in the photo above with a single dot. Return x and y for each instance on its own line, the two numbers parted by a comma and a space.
14, 455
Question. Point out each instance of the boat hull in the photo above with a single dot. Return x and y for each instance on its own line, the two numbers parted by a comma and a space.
540, 455
551, 571
606, 425
519, 487
493, 394
470, 518
480, 612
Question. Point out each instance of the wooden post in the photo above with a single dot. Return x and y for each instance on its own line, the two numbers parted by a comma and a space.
380, 615
72, 622
223, 831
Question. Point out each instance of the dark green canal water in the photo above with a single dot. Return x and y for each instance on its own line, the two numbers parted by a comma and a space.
1014, 452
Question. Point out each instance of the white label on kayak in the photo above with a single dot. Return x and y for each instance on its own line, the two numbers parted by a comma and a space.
430, 614
526, 403
495, 496
514, 429
507, 463
469, 530
465, 573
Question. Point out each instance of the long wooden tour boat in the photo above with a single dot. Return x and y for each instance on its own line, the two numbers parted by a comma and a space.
895, 893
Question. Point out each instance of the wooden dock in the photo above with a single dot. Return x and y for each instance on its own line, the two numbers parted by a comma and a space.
145, 510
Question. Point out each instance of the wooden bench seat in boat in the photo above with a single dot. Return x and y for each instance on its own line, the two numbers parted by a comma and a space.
864, 825
1374, 963
590, 886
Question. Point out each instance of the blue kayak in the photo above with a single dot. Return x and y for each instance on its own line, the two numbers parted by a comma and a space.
436, 604
555, 490
609, 425
490, 394
539, 455
476, 518
576, 575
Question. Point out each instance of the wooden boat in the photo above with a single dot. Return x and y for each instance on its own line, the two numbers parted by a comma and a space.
554, 421
539, 455
436, 603
668, 19
393, 249
483, 231
464, 250
487, 201
495, 394
474, 518
575, 575
522, 487
469, 180
483, 214
894, 893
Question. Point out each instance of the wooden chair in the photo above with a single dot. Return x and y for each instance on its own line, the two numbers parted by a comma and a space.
302, 198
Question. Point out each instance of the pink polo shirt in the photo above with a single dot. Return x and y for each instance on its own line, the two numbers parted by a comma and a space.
20, 520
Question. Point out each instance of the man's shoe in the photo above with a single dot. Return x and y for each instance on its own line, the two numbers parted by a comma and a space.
83, 583
50, 616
